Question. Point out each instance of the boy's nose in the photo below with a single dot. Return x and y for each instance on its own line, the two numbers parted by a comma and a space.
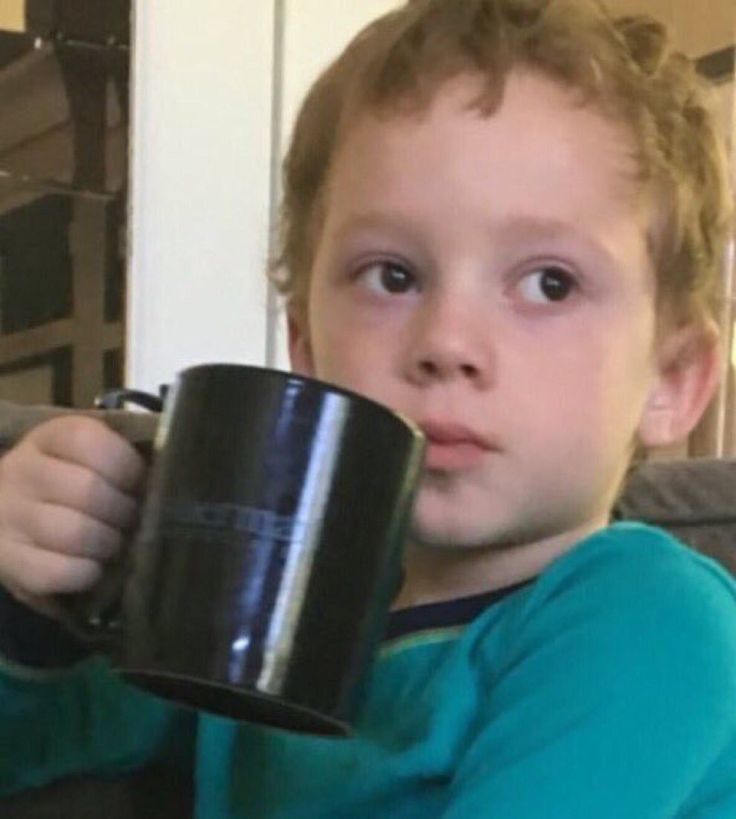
447, 343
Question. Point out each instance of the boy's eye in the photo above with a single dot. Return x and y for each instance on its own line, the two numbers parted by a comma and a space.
388, 277
547, 284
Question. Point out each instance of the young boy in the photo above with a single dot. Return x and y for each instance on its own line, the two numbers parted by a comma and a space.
505, 220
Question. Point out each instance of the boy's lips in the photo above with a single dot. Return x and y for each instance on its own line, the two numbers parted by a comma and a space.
453, 446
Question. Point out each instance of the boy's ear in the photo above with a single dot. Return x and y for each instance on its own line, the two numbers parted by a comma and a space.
688, 371
300, 347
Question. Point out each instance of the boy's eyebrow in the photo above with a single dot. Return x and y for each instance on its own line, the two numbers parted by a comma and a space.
511, 228
375, 220
537, 224
520, 227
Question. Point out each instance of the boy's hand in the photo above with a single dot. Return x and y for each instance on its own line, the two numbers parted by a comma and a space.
67, 493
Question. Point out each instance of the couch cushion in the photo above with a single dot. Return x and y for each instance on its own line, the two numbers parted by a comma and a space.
695, 500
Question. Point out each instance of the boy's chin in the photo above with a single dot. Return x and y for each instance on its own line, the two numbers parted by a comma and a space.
435, 531
449, 520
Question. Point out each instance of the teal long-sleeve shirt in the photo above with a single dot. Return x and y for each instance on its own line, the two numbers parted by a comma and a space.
604, 688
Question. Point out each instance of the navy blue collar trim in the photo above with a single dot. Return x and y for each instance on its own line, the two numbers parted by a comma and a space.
446, 613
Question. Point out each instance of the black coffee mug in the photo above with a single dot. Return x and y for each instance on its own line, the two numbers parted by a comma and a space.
270, 547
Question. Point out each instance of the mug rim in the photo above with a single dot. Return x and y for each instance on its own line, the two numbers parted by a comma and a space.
311, 381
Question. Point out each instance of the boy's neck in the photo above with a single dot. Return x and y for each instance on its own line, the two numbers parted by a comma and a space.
434, 574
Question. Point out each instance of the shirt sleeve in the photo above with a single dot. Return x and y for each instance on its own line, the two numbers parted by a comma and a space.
616, 696
63, 712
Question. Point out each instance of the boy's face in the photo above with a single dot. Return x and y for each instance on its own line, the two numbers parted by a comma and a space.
489, 278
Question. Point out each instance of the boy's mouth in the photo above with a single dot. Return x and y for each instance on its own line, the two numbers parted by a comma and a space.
453, 447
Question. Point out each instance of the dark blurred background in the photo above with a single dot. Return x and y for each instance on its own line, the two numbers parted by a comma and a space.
64, 91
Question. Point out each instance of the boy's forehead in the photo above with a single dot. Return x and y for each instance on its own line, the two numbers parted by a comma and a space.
539, 136
529, 99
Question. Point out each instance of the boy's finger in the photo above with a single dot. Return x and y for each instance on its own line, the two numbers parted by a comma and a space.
63, 483
59, 529
47, 606
88, 442
39, 573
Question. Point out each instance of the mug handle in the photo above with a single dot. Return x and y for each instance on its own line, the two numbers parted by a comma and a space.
94, 617
117, 399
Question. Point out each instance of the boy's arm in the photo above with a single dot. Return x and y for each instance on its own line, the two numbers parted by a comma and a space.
616, 699
63, 712
67, 496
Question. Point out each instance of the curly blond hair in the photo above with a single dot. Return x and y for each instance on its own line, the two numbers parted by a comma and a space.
626, 67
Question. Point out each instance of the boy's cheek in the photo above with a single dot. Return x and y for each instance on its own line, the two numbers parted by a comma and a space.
355, 366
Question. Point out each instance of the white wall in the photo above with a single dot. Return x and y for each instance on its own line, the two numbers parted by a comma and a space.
200, 181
